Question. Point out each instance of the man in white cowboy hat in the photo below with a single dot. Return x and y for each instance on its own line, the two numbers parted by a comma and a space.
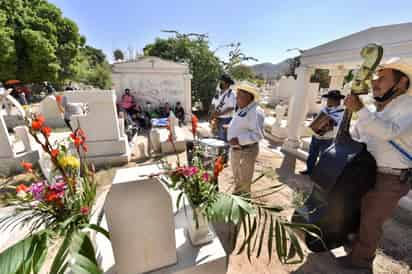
244, 133
388, 136
320, 142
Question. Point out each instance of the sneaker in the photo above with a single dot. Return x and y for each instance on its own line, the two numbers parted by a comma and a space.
304, 172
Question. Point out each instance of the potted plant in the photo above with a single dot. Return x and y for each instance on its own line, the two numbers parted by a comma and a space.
262, 223
57, 211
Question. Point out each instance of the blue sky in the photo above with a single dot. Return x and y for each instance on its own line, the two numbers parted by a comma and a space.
265, 28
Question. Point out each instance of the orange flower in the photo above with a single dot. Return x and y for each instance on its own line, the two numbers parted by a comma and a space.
218, 166
46, 131
77, 142
41, 119
52, 196
38, 122
27, 166
54, 153
78, 137
35, 125
22, 188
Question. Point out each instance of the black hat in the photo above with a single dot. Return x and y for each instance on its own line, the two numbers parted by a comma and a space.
333, 94
226, 78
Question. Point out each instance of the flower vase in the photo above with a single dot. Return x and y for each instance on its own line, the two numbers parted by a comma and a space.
200, 232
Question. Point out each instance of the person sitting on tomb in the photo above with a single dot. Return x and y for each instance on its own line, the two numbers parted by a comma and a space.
127, 102
126, 106
180, 113
319, 143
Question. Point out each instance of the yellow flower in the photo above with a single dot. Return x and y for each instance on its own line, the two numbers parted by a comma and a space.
69, 161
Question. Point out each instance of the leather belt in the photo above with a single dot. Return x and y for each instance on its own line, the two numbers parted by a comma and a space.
244, 147
391, 171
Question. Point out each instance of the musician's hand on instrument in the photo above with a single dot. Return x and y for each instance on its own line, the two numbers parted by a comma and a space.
234, 142
353, 102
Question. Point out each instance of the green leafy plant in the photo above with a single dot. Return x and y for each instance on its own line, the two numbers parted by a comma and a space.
262, 223
56, 211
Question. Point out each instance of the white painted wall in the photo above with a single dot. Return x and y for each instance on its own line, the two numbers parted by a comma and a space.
154, 80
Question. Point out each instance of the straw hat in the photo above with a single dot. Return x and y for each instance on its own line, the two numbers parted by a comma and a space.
398, 64
249, 88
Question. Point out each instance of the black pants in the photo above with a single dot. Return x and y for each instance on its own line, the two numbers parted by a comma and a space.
67, 121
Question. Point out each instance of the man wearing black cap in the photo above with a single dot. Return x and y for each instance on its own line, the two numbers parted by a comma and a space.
225, 107
319, 143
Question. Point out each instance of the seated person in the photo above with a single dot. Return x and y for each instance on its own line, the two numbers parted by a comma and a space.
180, 113
127, 102
126, 105
141, 118
164, 110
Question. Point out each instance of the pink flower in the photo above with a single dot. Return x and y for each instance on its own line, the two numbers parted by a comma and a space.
206, 177
84, 211
190, 171
58, 188
37, 190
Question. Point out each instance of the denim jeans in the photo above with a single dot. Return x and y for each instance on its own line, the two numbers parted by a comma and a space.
222, 132
317, 146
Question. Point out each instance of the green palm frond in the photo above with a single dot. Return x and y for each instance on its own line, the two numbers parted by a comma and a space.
261, 222
26, 256
77, 254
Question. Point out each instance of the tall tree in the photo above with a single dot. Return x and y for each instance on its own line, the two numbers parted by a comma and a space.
93, 68
118, 55
37, 42
236, 57
193, 49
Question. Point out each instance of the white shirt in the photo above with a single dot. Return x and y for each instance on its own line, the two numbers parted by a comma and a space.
394, 122
226, 100
215, 101
247, 125
336, 113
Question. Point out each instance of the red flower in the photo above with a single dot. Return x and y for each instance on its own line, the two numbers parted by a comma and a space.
52, 196
36, 125
46, 131
84, 211
80, 132
22, 187
79, 137
27, 166
218, 166
54, 153
84, 147
41, 119
77, 142
38, 122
